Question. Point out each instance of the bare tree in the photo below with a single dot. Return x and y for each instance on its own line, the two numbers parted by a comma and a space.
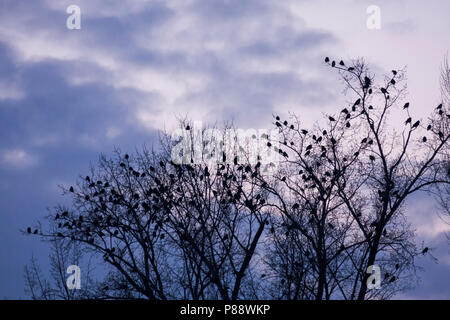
206, 221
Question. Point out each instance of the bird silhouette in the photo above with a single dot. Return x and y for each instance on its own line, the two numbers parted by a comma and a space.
425, 250
304, 131
367, 82
392, 81
347, 124
416, 124
29, 230
35, 231
406, 105
408, 120
429, 127
383, 90
333, 64
331, 118
393, 278
344, 110
439, 107
71, 189
327, 59
394, 72
372, 158
424, 139
342, 63
351, 69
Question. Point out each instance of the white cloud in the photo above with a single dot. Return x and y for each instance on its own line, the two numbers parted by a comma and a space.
18, 158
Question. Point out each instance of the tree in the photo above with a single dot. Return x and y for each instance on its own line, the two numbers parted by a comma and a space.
209, 216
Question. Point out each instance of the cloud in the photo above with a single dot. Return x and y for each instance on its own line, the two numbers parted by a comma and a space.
18, 158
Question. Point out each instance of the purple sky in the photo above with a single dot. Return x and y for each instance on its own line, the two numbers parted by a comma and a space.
135, 66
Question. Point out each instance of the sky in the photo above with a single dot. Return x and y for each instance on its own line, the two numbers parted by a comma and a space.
135, 67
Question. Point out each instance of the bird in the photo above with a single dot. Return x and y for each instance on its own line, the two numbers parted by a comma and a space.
372, 158
364, 140
347, 124
295, 206
393, 278
406, 105
304, 131
127, 156
331, 118
278, 124
342, 63
29, 230
35, 231
333, 64
357, 102
429, 127
392, 81
394, 72
71, 189
344, 110
383, 90
439, 107
327, 59
416, 124
269, 144
88, 179
425, 250
188, 128
408, 120
367, 82
351, 69
424, 139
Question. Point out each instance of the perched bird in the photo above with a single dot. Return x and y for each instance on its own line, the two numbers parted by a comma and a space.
357, 102
331, 118
367, 82
392, 81
372, 158
424, 139
88, 179
406, 105
439, 107
408, 120
351, 69
327, 59
35, 231
341, 63
71, 189
127, 156
333, 64
188, 128
394, 72
383, 90
347, 124
429, 127
278, 118
416, 124
392, 279
295, 206
344, 110
304, 131
425, 250
29, 230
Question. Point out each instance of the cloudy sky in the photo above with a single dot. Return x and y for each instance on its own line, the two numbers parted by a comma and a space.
135, 66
